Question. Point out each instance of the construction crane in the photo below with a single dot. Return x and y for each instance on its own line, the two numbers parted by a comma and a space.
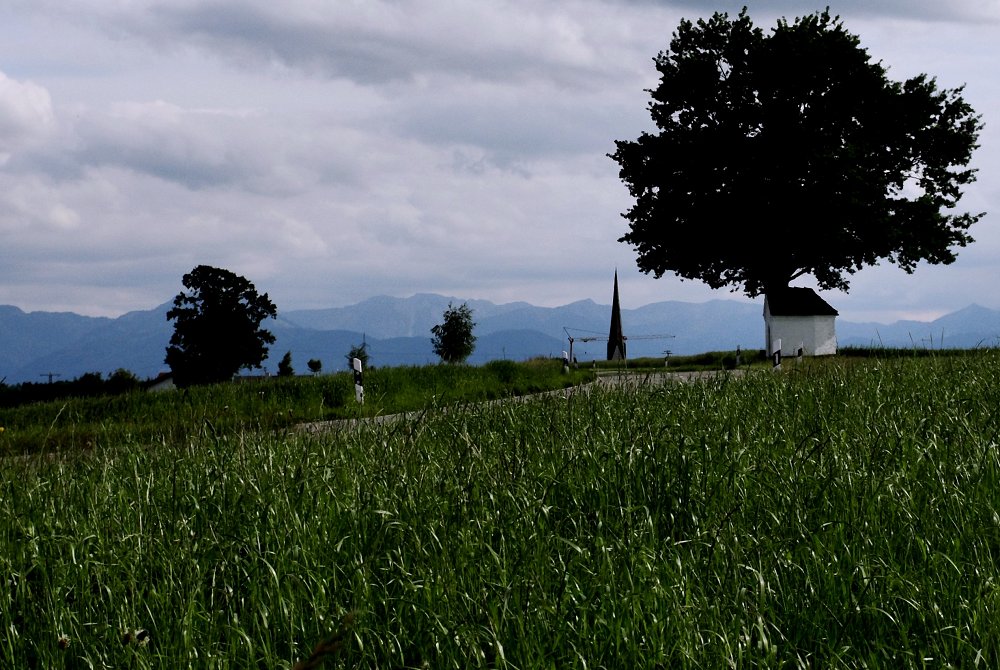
595, 337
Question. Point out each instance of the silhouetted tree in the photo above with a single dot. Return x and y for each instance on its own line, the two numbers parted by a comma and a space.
315, 365
217, 327
285, 368
453, 339
360, 352
122, 381
791, 153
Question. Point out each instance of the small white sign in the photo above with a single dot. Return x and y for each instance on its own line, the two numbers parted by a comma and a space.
359, 387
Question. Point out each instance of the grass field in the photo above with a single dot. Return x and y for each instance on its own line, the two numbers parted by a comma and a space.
265, 404
838, 514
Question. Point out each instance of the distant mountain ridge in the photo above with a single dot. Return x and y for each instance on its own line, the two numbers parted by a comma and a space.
397, 331
968, 328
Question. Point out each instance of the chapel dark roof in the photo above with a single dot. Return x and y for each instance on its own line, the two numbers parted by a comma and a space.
798, 301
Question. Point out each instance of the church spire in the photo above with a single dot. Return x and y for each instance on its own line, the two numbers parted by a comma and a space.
616, 337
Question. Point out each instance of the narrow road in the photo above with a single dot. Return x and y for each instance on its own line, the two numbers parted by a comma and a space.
609, 379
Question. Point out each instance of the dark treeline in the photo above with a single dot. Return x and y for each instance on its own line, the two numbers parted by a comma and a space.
88, 385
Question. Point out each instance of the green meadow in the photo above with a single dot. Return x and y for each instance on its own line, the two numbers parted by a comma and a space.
842, 513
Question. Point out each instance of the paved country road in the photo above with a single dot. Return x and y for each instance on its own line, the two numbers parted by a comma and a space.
609, 379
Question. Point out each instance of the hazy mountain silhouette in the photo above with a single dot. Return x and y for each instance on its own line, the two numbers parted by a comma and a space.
397, 331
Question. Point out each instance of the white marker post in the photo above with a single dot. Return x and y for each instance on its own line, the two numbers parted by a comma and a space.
359, 387
776, 353
565, 362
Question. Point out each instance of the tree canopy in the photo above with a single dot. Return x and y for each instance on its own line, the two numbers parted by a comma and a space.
360, 352
452, 338
217, 327
792, 153
285, 367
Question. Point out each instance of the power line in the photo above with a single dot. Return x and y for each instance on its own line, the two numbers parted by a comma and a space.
604, 338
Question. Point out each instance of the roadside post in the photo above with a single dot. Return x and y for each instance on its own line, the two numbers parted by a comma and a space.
359, 388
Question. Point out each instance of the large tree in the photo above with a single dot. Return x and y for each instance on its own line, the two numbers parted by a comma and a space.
217, 327
792, 153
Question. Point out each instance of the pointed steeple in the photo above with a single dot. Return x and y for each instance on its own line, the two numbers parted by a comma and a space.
616, 337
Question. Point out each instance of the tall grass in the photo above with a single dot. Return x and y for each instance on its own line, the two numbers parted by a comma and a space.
832, 516
272, 403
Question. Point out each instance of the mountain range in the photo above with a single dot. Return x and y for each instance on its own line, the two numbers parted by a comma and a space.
397, 331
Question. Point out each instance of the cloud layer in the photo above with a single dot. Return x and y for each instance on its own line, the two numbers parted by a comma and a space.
334, 151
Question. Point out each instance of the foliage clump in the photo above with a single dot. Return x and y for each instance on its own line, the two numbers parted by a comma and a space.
87, 385
800, 137
453, 339
217, 327
285, 368
360, 352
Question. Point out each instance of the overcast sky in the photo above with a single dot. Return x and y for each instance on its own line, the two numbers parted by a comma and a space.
334, 150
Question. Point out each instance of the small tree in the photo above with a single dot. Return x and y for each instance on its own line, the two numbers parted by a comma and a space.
453, 339
217, 327
285, 368
122, 381
360, 352
315, 365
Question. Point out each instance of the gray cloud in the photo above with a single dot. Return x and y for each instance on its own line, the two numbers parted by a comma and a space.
962, 11
377, 42
196, 148
517, 127
333, 151
25, 114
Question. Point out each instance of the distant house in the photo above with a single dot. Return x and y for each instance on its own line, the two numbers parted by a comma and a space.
799, 319
162, 382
